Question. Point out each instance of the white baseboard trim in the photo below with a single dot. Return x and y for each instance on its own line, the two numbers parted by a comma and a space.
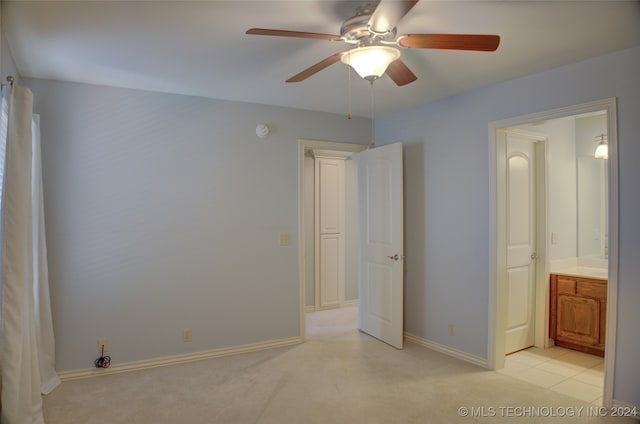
176, 359
349, 303
309, 308
467, 357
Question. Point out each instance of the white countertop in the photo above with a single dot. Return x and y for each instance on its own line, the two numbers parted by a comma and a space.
582, 271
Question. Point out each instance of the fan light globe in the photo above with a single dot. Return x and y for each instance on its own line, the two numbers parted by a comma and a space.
370, 62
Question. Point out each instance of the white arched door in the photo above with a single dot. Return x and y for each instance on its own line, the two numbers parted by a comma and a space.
521, 242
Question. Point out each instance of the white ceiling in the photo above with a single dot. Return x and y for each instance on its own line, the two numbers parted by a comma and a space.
200, 48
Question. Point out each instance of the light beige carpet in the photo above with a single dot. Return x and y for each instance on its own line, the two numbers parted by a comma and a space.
338, 376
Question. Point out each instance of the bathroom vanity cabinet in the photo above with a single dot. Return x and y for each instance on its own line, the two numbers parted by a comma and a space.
578, 310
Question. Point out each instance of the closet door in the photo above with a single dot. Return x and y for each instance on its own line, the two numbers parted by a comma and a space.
329, 219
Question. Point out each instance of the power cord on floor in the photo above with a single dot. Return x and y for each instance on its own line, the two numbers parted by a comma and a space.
103, 361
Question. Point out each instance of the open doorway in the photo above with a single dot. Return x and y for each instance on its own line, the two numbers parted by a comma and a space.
328, 226
559, 239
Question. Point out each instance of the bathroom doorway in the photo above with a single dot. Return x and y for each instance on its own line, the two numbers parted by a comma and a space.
559, 240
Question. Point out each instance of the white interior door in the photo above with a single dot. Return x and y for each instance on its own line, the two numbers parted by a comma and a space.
521, 242
380, 311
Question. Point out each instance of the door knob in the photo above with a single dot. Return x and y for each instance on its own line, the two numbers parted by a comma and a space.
396, 257
534, 256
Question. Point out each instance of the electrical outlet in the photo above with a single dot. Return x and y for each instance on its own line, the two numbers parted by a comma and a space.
103, 344
452, 329
186, 335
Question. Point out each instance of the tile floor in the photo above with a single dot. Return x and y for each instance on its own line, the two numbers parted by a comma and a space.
565, 371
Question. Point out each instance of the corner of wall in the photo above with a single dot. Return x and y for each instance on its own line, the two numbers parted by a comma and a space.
7, 63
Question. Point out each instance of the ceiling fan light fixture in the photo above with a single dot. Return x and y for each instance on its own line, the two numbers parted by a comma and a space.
370, 62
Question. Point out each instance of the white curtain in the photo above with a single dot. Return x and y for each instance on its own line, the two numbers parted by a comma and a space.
26, 331
49, 379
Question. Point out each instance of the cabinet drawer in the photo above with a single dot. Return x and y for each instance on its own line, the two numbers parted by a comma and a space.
592, 289
566, 285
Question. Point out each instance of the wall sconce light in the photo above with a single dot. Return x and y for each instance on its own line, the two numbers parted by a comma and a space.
602, 149
370, 62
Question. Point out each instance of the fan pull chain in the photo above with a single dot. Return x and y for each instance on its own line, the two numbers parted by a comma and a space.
373, 122
349, 92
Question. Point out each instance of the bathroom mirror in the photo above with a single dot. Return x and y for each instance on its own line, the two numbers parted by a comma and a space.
592, 207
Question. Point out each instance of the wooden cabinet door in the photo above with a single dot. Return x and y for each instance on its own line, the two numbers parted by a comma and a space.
578, 319
603, 323
577, 313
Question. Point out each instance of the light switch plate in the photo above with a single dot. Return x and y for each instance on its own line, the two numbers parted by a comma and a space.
284, 239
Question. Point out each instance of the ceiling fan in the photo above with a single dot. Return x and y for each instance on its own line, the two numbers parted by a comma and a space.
372, 32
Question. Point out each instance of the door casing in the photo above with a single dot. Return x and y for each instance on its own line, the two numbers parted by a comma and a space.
305, 145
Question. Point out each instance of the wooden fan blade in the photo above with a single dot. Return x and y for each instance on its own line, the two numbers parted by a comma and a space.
486, 43
295, 34
400, 73
388, 13
315, 68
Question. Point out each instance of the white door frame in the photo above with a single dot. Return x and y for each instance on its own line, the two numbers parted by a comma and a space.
305, 145
497, 266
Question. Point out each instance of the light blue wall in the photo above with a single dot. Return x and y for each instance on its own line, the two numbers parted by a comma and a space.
447, 200
163, 212
562, 187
